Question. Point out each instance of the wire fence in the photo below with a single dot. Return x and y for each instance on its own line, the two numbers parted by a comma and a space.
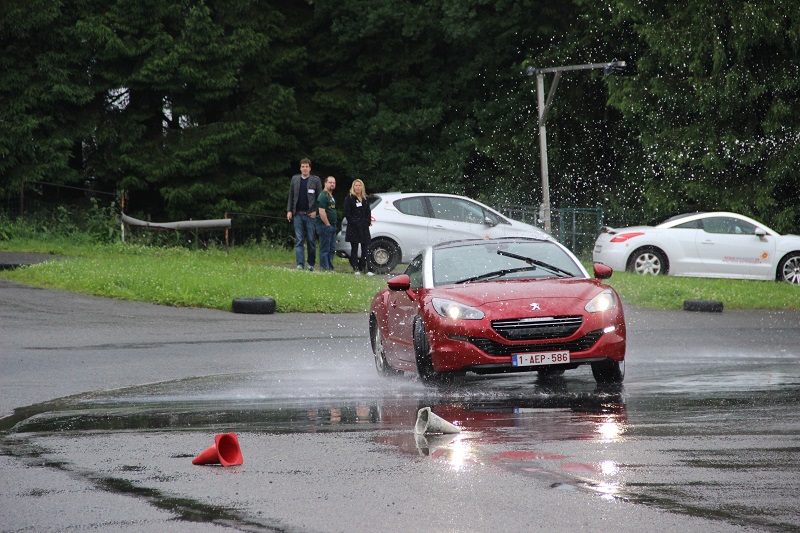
575, 227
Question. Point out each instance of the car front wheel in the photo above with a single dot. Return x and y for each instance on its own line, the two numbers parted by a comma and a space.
383, 256
550, 373
648, 260
422, 350
789, 269
608, 372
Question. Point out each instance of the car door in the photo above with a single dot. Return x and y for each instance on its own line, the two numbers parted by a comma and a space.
411, 225
403, 306
683, 239
458, 218
729, 246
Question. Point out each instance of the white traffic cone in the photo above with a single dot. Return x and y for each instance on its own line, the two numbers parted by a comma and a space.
430, 422
428, 444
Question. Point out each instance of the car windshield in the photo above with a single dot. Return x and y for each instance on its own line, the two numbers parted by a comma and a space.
489, 260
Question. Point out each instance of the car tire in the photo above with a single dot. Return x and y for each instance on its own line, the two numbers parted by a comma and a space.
648, 260
550, 373
422, 351
789, 269
376, 339
383, 255
608, 372
253, 305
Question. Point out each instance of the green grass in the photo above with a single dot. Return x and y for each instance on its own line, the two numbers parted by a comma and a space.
669, 292
212, 278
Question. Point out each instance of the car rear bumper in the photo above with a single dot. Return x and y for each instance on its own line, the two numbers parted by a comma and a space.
611, 254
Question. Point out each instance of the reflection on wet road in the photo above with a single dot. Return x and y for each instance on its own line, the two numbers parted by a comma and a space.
723, 444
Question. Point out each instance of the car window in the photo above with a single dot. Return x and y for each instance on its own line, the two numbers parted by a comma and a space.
374, 200
693, 224
412, 206
414, 272
455, 263
456, 209
496, 219
728, 225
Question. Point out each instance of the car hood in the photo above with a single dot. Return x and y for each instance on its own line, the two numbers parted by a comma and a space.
563, 291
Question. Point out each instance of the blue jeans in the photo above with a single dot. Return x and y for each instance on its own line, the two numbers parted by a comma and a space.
327, 246
305, 232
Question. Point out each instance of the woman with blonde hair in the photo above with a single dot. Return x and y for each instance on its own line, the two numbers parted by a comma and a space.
359, 219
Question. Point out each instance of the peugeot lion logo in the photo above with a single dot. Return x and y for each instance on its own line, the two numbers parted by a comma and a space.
535, 307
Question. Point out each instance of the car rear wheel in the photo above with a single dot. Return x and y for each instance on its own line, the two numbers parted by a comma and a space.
383, 255
381, 365
648, 260
789, 269
608, 372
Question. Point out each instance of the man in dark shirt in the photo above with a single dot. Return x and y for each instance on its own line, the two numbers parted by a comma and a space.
326, 224
301, 209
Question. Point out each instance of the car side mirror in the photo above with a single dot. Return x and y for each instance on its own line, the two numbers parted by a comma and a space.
602, 271
400, 283
760, 233
489, 222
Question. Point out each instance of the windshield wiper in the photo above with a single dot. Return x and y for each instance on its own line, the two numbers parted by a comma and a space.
560, 272
496, 274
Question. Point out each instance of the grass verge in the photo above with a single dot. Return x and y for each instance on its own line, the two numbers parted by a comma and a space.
213, 278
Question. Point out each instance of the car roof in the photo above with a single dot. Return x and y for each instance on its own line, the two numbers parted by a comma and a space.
398, 194
461, 242
704, 214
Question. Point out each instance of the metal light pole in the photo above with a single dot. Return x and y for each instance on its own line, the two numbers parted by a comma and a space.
544, 108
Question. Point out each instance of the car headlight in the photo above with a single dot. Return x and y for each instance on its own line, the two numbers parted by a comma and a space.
602, 302
455, 310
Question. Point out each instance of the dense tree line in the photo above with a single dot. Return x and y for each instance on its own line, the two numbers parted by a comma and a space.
199, 107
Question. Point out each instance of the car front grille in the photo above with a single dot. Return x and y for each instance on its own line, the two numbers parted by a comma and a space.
496, 349
531, 329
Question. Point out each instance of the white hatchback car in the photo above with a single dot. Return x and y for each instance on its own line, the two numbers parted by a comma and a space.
711, 245
403, 224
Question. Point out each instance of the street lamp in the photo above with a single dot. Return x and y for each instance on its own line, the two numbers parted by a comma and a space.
611, 67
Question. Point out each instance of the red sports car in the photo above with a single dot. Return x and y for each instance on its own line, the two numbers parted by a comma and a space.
498, 305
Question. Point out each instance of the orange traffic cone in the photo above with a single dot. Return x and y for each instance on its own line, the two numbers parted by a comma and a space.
224, 451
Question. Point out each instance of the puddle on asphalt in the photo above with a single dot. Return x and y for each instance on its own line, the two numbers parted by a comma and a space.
500, 409
538, 428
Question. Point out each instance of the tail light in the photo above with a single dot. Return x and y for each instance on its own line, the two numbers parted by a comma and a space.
622, 237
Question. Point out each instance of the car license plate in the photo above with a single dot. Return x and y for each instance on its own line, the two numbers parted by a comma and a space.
537, 359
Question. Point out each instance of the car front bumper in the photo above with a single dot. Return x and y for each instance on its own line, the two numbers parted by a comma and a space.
487, 352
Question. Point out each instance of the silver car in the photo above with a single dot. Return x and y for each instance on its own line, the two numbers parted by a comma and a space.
405, 223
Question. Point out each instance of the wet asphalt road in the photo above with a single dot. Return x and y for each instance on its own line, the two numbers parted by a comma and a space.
107, 402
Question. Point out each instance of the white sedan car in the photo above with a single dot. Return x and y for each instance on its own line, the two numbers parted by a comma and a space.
712, 245
403, 224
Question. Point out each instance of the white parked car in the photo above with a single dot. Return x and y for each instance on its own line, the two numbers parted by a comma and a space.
712, 245
403, 224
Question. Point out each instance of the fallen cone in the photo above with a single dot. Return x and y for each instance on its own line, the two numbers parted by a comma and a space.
224, 451
430, 422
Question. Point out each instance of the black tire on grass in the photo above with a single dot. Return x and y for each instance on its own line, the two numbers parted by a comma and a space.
254, 305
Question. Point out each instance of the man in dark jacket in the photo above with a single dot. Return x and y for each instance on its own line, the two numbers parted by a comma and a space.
301, 210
